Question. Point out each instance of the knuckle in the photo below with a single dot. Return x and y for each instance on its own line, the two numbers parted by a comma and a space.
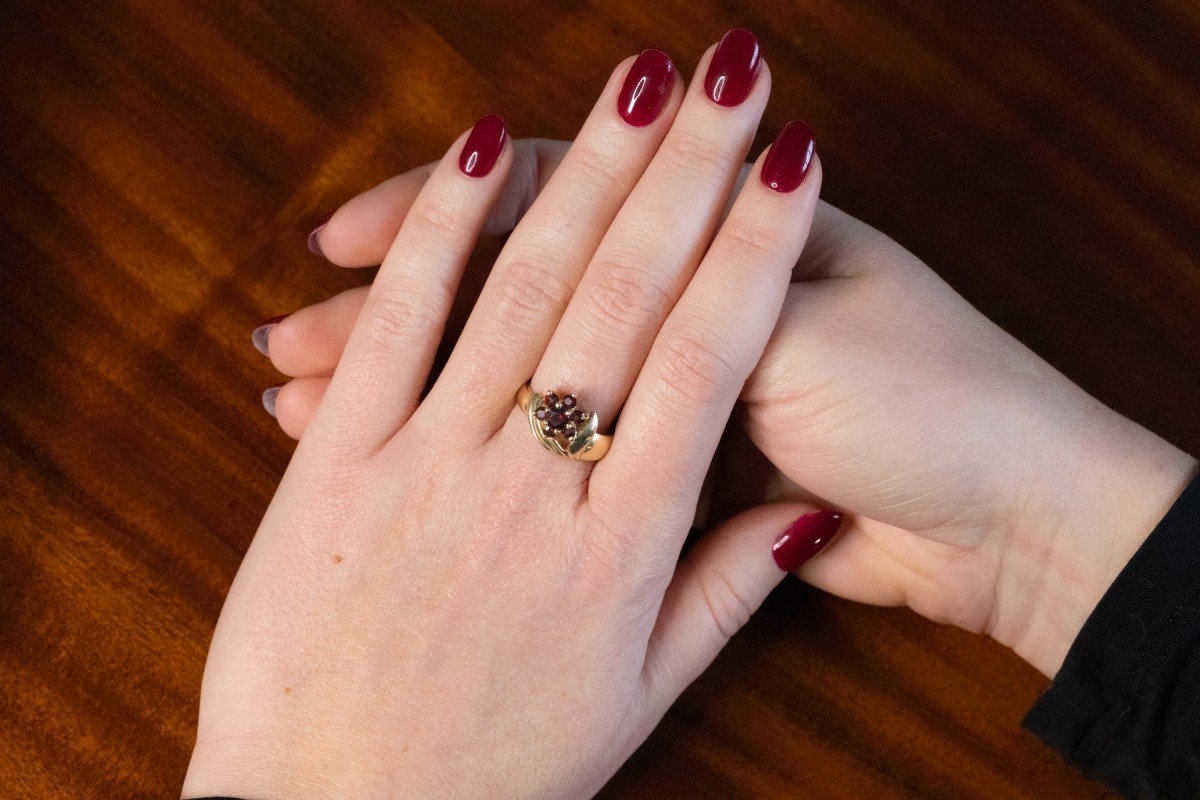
728, 606
603, 553
751, 243
690, 152
595, 167
625, 296
698, 365
438, 220
605, 549
530, 290
398, 322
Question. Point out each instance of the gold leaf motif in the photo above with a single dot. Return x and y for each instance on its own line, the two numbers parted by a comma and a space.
586, 435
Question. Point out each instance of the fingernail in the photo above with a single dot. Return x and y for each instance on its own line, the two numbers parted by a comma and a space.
647, 88
733, 68
789, 158
483, 146
262, 333
268, 399
804, 538
314, 238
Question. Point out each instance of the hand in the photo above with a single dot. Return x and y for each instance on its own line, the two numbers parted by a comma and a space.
989, 491
434, 605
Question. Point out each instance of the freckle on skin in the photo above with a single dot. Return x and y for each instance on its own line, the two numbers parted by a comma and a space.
337, 559
287, 690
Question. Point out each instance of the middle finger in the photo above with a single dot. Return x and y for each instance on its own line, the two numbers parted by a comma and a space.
660, 234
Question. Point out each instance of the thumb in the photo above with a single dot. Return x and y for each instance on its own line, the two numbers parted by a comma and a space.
722, 581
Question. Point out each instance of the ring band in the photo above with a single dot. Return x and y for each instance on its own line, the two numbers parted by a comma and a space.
562, 427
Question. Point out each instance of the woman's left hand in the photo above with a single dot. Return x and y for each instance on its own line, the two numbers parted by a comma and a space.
435, 606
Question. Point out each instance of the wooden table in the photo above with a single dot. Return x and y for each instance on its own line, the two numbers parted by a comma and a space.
163, 161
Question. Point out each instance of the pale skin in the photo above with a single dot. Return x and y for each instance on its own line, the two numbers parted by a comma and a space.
988, 490
435, 606
501, 623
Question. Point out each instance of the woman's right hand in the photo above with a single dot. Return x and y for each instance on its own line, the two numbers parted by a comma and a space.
988, 490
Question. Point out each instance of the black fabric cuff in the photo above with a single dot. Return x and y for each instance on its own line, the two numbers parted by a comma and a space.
1125, 707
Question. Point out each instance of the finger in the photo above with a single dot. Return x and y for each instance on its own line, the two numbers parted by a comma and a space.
710, 343
540, 265
855, 567
310, 342
656, 241
721, 582
387, 359
294, 403
359, 233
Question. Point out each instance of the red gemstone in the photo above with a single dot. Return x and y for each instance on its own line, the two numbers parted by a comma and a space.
557, 419
541, 413
569, 401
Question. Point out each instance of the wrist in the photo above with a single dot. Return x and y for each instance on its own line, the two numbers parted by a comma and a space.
1091, 507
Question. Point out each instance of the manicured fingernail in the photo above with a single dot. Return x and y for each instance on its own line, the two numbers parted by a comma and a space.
789, 158
647, 88
262, 332
483, 146
268, 399
733, 68
314, 237
804, 538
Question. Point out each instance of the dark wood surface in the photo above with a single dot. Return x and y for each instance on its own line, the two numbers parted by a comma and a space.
162, 162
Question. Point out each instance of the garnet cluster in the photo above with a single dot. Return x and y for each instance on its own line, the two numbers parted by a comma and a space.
560, 416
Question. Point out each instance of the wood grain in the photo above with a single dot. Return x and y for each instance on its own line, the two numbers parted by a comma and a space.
162, 162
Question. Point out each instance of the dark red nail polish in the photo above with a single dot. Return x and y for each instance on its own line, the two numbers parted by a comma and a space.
268, 399
647, 88
262, 332
733, 68
314, 238
483, 146
789, 158
804, 538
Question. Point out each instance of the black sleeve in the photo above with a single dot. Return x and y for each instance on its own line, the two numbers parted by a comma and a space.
1125, 707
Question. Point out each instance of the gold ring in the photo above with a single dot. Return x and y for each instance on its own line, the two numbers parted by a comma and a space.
562, 427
